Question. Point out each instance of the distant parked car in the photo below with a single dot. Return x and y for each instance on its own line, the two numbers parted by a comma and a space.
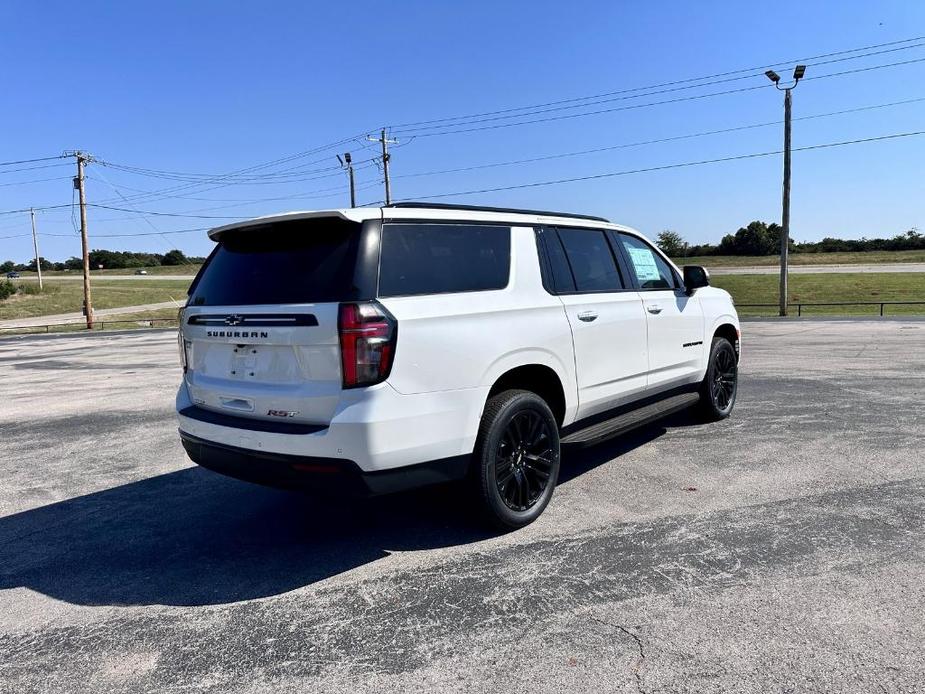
141, 272
13, 275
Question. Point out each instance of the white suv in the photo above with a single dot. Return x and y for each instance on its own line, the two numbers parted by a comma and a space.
377, 349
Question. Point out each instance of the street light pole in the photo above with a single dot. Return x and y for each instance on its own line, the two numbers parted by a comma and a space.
785, 211
798, 73
347, 164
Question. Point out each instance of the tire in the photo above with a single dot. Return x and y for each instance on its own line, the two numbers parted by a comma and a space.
721, 382
516, 459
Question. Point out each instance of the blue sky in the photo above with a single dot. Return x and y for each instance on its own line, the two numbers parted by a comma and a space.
212, 87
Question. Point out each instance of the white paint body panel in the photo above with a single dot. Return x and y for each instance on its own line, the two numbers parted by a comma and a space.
451, 349
610, 348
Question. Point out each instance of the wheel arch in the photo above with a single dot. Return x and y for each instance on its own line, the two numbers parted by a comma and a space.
537, 378
729, 331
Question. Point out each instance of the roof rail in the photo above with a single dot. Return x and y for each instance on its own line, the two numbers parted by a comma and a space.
481, 208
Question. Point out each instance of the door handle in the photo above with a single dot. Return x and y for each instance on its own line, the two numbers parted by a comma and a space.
587, 316
654, 309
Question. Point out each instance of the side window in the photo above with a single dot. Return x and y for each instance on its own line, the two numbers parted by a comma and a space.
592, 262
560, 279
441, 258
652, 272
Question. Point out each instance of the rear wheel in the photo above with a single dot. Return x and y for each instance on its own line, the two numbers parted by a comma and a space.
721, 383
516, 459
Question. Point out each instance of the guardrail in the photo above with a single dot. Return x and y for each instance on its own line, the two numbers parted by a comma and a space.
99, 324
800, 305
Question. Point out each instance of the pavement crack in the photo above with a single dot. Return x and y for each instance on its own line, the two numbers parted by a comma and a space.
639, 661
640, 646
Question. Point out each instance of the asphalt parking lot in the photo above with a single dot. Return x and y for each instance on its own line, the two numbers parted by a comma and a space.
778, 551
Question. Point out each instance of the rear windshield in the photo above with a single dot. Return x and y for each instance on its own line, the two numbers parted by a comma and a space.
302, 261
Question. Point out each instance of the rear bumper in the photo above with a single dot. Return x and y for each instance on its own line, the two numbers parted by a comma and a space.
376, 429
314, 474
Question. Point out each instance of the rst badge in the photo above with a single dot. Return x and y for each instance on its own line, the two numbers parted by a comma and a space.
282, 413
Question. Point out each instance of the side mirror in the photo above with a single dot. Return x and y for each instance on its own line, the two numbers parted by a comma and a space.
695, 277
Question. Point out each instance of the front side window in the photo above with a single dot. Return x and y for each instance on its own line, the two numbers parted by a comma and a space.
442, 258
591, 260
651, 270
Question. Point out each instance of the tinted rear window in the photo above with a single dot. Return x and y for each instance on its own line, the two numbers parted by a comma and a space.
441, 258
591, 260
303, 261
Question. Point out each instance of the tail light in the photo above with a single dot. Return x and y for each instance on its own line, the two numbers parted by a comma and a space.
367, 343
185, 347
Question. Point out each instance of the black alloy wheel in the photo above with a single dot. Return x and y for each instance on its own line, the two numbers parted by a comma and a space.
721, 382
524, 460
725, 377
515, 464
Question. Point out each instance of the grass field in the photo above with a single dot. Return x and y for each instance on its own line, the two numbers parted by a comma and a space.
868, 258
67, 297
840, 287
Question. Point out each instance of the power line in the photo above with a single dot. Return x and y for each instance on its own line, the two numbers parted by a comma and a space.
155, 214
706, 78
146, 233
598, 102
631, 107
193, 186
664, 167
235, 200
29, 161
321, 193
35, 180
157, 231
296, 177
641, 143
34, 168
292, 173
37, 209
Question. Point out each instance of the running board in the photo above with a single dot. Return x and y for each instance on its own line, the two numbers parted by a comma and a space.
630, 420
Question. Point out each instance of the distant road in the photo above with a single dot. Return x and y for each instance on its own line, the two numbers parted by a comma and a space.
76, 317
817, 269
97, 278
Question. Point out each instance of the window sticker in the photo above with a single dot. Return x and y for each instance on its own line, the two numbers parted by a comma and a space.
644, 264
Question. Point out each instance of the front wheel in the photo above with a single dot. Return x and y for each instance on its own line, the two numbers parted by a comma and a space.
721, 383
516, 459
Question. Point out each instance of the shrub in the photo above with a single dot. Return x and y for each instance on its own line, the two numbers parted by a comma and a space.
7, 289
33, 288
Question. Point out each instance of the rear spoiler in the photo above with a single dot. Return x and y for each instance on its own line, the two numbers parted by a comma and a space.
359, 214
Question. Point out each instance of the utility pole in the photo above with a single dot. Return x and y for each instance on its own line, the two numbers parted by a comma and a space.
347, 163
385, 161
798, 73
35, 247
83, 159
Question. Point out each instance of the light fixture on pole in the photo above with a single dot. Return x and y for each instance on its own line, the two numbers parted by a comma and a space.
798, 73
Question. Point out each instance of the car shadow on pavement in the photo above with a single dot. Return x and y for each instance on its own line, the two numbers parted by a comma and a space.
193, 537
577, 460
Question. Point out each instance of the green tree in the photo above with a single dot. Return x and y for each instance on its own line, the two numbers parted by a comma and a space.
46, 264
174, 257
672, 243
7, 266
758, 238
